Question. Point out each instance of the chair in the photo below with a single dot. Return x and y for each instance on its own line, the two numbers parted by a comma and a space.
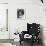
33, 30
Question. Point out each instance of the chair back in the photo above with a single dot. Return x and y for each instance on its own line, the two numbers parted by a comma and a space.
33, 28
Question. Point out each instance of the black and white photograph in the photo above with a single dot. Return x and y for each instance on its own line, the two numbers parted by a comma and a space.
22, 22
21, 14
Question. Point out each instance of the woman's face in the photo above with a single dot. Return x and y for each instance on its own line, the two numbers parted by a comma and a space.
20, 15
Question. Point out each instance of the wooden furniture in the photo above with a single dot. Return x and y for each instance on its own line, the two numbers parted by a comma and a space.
33, 30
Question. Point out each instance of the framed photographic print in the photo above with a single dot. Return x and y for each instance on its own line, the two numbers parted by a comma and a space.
20, 14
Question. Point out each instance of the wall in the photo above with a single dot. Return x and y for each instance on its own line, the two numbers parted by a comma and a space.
3, 1
4, 34
34, 12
